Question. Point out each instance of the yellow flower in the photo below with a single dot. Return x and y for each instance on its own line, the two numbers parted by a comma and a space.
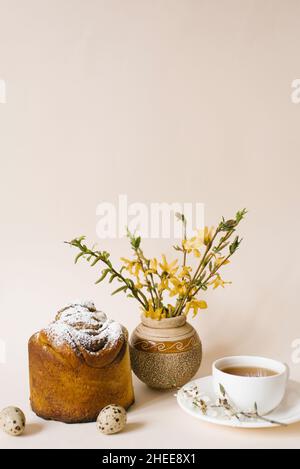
196, 253
164, 284
203, 237
179, 287
185, 272
221, 260
137, 269
188, 244
217, 282
195, 305
153, 264
206, 235
192, 244
171, 310
133, 267
154, 313
129, 265
171, 268
153, 267
139, 285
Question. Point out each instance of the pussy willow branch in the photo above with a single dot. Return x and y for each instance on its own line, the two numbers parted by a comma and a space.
225, 405
260, 417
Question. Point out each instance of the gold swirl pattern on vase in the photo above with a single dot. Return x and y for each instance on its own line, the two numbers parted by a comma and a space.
165, 347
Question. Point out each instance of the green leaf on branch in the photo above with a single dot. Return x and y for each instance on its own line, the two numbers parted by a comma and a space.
129, 283
124, 288
104, 274
234, 246
113, 276
240, 215
137, 242
96, 260
79, 256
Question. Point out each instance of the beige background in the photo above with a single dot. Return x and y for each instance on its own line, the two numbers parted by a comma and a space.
162, 100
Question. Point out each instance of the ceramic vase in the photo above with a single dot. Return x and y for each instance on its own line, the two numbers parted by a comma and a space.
165, 354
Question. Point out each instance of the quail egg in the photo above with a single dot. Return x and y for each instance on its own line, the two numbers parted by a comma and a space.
112, 419
12, 421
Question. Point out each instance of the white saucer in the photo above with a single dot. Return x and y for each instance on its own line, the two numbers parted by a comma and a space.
288, 412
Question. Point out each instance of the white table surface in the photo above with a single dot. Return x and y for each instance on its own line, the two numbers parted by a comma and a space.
154, 421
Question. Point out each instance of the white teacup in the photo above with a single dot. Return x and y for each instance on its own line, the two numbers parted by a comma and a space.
243, 391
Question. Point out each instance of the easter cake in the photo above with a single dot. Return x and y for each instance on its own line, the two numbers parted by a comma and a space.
78, 365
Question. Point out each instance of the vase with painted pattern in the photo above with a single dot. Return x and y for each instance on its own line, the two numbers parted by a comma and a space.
165, 354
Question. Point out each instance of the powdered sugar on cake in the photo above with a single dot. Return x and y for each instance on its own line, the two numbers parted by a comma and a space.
80, 325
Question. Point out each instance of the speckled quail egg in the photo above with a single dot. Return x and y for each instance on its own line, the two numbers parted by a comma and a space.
12, 421
112, 419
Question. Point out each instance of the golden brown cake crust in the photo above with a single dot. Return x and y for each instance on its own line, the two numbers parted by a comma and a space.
78, 365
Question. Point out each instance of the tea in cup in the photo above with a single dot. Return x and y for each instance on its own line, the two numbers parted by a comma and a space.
251, 381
